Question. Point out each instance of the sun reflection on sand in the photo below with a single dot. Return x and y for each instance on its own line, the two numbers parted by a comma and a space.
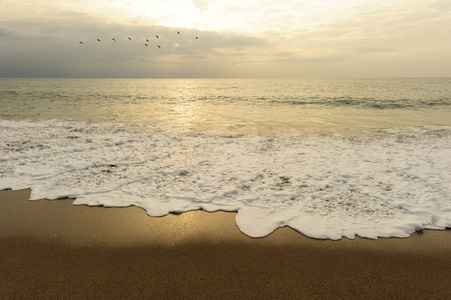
94, 226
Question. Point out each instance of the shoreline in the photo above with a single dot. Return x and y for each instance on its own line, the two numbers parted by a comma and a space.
52, 249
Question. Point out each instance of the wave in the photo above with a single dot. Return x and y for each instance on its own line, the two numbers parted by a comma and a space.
371, 103
385, 183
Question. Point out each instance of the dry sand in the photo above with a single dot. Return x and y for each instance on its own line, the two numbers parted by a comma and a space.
55, 250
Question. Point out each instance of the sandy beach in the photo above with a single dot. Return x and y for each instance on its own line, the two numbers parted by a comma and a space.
53, 249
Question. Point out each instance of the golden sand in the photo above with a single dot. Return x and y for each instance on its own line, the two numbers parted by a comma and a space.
53, 249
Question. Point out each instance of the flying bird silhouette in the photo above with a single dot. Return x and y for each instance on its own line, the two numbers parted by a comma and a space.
129, 38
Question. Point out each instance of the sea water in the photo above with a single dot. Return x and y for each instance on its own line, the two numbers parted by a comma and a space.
328, 158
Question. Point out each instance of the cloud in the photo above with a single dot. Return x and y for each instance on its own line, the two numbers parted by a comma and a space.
4, 31
374, 49
266, 38
201, 5
51, 48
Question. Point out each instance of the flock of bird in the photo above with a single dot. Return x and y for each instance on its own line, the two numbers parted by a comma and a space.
129, 38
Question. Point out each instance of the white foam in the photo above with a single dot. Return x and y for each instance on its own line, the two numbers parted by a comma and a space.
380, 184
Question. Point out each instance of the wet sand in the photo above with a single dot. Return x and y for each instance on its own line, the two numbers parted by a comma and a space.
53, 249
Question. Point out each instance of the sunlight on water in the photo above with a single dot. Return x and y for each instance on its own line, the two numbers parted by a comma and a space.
242, 105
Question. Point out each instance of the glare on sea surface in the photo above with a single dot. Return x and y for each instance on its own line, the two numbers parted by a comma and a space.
187, 111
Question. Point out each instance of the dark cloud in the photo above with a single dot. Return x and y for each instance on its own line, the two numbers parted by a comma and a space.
51, 48
292, 59
4, 31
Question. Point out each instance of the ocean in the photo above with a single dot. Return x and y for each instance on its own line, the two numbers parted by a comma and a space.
330, 158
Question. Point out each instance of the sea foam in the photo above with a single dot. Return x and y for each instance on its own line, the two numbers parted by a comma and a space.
385, 183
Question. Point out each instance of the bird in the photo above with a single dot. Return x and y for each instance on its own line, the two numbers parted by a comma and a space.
81, 43
113, 39
130, 38
178, 32
98, 40
197, 38
147, 40
146, 45
159, 46
157, 36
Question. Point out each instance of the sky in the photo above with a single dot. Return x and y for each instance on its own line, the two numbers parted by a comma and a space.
264, 38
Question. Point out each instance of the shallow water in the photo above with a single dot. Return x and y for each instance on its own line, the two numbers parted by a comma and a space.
243, 105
